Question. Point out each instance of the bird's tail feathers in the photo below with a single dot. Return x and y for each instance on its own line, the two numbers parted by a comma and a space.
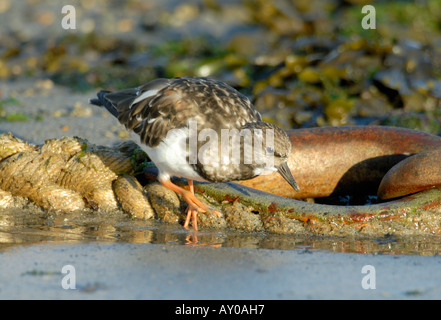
101, 101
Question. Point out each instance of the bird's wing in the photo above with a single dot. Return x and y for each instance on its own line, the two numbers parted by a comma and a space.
152, 109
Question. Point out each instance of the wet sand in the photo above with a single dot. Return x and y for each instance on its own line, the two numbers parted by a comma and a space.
54, 111
151, 271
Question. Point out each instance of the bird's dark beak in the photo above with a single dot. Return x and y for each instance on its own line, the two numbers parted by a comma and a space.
286, 174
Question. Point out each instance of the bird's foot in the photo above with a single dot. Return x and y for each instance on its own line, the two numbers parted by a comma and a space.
194, 207
192, 213
194, 204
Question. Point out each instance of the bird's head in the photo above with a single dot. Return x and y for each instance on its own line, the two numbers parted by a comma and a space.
271, 148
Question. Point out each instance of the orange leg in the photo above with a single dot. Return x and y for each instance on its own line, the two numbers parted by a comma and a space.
194, 204
191, 211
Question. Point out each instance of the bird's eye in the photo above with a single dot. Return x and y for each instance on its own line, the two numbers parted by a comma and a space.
269, 150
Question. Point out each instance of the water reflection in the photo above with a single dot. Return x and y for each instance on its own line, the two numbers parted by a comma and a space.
21, 227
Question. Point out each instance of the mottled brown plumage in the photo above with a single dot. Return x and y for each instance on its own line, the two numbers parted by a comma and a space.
178, 100
163, 113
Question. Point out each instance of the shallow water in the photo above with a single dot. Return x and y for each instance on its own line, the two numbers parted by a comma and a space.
25, 227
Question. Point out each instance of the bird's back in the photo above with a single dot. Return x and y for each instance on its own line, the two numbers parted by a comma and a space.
161, 105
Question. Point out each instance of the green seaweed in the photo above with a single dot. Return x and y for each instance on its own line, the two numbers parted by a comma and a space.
16, 117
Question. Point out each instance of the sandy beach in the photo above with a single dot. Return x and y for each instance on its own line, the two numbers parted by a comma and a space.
174, 272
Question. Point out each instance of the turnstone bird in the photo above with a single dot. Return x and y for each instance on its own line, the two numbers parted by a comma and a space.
171, 120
